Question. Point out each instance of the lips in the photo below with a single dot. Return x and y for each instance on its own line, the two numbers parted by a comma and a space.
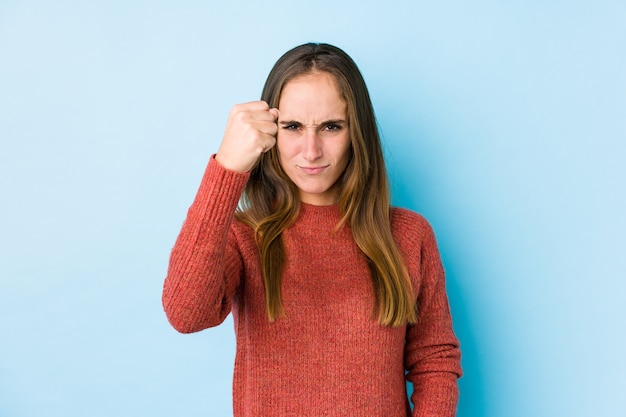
313, 170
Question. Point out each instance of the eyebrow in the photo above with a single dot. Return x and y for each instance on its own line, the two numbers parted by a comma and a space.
325, 122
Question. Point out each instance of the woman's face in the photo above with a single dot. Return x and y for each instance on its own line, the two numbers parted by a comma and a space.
313, 141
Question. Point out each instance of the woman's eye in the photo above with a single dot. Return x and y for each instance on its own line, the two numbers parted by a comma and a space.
333, 127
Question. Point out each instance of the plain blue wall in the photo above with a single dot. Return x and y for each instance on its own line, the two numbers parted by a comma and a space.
504, 123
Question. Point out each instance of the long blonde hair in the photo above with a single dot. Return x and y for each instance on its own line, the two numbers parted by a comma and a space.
270, 202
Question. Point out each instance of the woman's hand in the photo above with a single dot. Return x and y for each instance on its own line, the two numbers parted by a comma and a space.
251, 130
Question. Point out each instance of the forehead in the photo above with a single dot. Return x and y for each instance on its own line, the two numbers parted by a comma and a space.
313, 95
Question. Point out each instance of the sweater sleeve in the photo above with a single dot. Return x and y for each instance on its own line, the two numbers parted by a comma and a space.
205, 266
432, 354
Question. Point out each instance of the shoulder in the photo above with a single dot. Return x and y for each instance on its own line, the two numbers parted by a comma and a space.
416, 240
241, 229
413, 233
409, 224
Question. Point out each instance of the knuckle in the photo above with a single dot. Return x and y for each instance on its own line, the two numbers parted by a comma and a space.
236, 109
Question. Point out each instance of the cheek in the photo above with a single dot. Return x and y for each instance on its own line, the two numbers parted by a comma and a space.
285, 153
284, 147
346, 151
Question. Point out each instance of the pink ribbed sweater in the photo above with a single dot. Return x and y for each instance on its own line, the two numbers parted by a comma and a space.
328, 357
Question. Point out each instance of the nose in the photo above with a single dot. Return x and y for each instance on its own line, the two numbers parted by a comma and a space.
312, 145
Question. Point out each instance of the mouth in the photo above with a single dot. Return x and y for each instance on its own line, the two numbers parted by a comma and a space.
313, 170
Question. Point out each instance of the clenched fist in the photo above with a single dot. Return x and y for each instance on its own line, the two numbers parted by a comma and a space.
251, 130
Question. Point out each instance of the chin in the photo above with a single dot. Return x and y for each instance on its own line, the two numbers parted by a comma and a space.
313, 190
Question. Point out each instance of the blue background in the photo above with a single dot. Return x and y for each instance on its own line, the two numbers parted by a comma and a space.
504, 124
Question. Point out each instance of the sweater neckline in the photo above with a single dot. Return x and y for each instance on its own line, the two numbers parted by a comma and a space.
319, 216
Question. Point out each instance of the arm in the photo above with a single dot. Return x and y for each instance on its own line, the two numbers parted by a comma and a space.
205, 266
432, 354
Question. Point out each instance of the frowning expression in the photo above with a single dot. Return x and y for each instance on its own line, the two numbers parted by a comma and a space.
313, 139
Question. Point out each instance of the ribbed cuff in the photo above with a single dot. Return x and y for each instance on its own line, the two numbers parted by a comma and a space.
219, 192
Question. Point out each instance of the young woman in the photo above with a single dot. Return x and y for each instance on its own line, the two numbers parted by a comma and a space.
337, 298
